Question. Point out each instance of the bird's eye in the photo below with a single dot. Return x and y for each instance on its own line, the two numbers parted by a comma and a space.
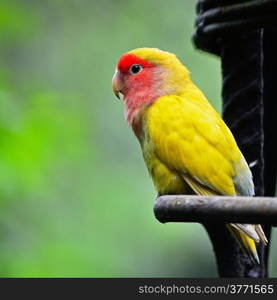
134, 69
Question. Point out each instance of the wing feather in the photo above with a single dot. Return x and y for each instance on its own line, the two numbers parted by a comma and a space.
197, 187
191, 139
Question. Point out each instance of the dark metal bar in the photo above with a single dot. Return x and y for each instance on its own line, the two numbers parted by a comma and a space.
216, 19
243, 107
220, 209
269, 120
242, 10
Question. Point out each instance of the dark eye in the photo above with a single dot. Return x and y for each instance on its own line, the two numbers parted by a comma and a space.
134, 69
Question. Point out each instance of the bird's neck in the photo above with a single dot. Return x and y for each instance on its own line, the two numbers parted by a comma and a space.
135, 105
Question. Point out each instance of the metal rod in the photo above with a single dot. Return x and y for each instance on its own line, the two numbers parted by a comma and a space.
219, 209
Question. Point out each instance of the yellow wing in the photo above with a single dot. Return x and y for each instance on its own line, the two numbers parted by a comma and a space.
190, 138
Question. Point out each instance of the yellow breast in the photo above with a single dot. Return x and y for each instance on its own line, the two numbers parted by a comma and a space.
166, 181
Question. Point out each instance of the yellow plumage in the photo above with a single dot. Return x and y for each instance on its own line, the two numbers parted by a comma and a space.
183, 151
186, 145
180, 135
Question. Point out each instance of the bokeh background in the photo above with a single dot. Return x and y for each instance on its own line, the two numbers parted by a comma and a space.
75, 196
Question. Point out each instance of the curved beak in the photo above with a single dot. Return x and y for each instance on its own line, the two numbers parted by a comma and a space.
117, 84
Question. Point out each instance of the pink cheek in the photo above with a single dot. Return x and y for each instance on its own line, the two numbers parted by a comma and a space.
140, 82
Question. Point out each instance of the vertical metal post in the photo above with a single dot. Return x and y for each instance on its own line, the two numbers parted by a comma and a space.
242, 95
270, 114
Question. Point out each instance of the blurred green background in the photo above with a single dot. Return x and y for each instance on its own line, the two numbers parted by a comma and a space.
75, 196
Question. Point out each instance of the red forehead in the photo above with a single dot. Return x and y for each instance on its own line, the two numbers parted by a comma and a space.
128, 59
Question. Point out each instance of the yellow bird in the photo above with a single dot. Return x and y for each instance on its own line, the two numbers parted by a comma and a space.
186, 145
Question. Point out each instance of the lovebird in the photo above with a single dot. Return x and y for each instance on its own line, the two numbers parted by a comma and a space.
186, 146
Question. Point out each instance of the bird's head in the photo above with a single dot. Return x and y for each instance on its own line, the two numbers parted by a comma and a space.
144, 74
